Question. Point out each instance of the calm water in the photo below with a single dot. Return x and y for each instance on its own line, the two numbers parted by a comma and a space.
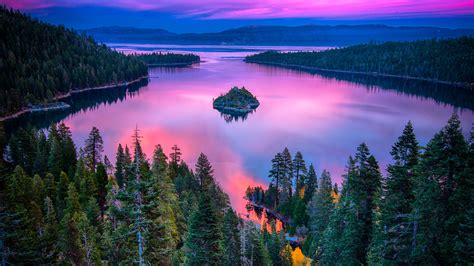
323, 117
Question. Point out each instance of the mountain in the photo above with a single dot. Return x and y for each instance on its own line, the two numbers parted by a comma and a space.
115, 33
279, 35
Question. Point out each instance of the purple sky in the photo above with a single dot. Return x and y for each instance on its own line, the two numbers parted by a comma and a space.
198, 15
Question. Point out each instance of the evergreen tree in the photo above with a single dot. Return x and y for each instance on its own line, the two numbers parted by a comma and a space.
204, 241
55, 159
277, 174
311, 184
443, 190
300, 172
392, 240
275, 244
93, 149
49, 238
287, 180
166, 221
101, 180
255, 251
231, 239
61, 194
320, 209
204, 171
120, 167
69, 236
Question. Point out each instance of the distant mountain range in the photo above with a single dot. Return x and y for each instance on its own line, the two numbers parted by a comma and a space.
278, 35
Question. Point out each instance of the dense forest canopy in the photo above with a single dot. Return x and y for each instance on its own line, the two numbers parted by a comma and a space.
39, 61
443, 60
59, 204
420, 213
158, 58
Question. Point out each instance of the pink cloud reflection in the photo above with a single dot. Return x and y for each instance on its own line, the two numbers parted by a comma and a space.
247, 9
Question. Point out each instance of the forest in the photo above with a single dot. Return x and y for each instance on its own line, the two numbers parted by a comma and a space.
420, 213
61, 204
449, 60
39, 61
159, 58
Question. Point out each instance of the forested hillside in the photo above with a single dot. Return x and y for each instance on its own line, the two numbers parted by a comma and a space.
63, 205
444, 60
167, 58
420, 213
59, 204
39, 61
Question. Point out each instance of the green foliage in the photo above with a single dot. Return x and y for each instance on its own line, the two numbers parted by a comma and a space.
204, 241
320, 209
167, 58
237, 98
445, 59
231, 239
443, 189
393, 235
93, 149
41, 61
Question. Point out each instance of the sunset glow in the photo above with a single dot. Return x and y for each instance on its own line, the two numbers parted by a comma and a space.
245, 9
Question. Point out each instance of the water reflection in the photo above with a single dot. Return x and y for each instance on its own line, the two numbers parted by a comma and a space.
441, 93
324, 117
80, 103
230, 117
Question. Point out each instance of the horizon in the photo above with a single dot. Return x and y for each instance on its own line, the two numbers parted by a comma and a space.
185, 16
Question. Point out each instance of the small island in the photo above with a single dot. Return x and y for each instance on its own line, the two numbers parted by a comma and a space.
236, 101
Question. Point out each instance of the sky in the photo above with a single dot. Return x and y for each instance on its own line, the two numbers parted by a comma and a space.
217, 15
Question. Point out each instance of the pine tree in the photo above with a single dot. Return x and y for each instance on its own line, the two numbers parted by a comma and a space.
204, 241
254, 249
55, 159
287, 180
231, 239
443, 190
277, 174
41, 160
275, 244
50, 236
120, 166
93, 149
61, 194
352, 223
320, 209
101, 180
300, 172
311, 184
69, 236
69, 156
392, 240
163, 212
24, 217
204, 171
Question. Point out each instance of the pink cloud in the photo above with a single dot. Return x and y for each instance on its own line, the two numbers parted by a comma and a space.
248, 9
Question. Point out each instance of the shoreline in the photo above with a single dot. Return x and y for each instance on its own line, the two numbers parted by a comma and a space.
67, 95
463, 85
174, 64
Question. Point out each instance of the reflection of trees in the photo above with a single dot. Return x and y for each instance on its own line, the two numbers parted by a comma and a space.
441, 93
230, 117
80, 102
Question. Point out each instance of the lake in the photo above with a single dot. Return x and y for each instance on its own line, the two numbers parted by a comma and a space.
324, 116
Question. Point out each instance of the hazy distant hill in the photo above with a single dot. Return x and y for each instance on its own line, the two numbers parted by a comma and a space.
279, 35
